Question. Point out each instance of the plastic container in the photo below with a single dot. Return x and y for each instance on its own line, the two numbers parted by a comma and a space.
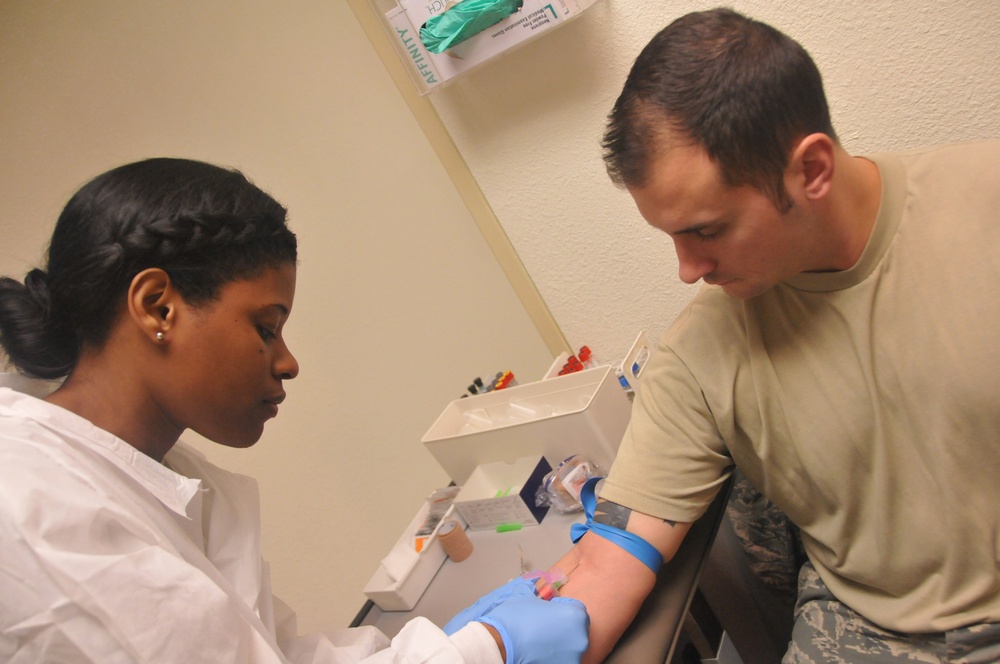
580, 413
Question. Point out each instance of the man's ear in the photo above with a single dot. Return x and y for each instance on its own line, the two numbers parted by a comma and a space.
153, 303
811, 165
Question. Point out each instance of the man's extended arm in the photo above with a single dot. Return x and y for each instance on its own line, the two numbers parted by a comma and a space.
611, 582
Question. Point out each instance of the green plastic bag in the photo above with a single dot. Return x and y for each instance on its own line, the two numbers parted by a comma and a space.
467, 18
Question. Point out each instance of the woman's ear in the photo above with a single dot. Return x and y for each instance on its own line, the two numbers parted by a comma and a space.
812, 164
152, 303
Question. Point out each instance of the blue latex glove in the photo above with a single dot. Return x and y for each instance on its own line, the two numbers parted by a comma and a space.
532, 629
535, 630
518, 587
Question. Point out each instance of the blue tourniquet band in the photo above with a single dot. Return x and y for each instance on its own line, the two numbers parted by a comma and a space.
632, 543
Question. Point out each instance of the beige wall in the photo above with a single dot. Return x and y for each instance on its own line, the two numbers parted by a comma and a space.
400, 302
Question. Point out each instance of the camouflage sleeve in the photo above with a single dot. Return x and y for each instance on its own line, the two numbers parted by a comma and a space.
770, 540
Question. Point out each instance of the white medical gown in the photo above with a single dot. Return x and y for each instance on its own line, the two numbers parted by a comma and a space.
108, 556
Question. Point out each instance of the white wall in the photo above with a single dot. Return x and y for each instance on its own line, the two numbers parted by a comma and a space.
898, 73
400, 302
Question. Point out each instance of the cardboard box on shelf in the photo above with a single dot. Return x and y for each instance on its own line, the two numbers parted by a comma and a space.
430, 70
503, 493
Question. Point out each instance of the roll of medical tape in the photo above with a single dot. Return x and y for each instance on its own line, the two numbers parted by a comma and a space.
455, 541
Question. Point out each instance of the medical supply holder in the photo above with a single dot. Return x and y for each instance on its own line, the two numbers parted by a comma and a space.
401, 20
580, 413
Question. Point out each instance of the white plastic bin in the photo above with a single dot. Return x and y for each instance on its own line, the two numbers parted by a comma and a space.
580, 413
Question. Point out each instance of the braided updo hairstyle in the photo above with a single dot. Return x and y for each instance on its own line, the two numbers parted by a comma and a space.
202, 224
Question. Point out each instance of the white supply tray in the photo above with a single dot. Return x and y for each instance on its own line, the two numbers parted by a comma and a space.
403, 592
580, 413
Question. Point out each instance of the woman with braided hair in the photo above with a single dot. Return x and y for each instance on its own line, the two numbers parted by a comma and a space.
161, 308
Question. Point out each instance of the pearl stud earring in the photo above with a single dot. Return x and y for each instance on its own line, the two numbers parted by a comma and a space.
159, 336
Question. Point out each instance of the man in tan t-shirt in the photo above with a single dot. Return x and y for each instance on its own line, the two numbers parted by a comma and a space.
841, 353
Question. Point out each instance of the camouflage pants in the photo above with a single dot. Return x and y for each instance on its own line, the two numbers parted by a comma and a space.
827, 631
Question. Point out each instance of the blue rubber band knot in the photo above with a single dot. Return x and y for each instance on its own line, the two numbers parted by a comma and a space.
635, 545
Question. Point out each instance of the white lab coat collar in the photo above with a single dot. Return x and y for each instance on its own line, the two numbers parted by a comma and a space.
187, 485
172, 489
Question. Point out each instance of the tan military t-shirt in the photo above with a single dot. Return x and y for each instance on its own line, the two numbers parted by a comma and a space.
864, 403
